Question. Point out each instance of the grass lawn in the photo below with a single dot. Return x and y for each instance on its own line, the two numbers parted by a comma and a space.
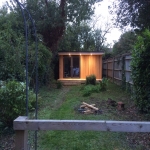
64, 104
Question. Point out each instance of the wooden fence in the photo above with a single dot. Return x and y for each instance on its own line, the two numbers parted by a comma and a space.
116, 67
22, 124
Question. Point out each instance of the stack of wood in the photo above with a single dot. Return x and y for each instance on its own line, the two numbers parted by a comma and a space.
88, 108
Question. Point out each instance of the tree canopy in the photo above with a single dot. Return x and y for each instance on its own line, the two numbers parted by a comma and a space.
82, 38
52, 16
125, 43
12, 50
134, 13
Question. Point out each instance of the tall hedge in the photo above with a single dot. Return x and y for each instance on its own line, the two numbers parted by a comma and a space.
141, 71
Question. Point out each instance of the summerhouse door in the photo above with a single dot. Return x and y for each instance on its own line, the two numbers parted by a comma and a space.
71, 67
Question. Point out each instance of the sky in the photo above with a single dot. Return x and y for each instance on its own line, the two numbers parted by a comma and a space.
102, 10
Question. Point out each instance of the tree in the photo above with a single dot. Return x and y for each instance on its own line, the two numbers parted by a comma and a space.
12, 51
77, 38
52, 16
83, 38
125, 43
134, 13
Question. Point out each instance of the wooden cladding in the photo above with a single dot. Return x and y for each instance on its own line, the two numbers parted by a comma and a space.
61, 67
89, 64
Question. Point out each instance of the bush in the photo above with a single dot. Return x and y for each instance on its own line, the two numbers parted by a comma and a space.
59, 84
103, 84
91, 80
89, 89
12, 101
141, 72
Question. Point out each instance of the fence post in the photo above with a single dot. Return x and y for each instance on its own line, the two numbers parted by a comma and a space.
21, 140
107, 69
21, 137
113, 65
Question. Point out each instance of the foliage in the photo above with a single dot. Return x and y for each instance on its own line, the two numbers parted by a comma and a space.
77, 38
12, 101
103, 84
132, 12
129, 88
45, 73
12, 52
107, 55
89, 89
11, 49
82, 37
125, 43
141, 71
51, 17
91, 79
59, 84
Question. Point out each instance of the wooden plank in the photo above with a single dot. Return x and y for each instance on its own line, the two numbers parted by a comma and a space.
21, 137
61, 67
100, 67
92, 125
90, 106
80, 53
21, 140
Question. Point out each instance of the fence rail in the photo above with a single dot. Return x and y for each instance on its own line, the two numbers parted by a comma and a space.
22, 124
113, 68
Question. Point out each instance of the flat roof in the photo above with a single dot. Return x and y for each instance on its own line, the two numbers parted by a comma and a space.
80, 53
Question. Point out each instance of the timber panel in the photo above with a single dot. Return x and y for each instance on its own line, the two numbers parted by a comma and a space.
91, 64
84, 66
61, 67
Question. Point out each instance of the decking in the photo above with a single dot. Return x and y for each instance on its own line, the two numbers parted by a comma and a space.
71, 81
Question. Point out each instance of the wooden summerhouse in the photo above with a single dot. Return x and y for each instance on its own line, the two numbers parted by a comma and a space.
74, 67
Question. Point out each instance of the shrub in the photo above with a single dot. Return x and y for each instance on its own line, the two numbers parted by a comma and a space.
59, 84
91, 80
141, 72
89, 89
103, 84
12, 101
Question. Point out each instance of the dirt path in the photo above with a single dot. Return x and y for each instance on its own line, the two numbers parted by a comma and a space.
61, 97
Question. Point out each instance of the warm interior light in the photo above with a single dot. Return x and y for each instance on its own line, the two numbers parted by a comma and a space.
80, 53
91, 53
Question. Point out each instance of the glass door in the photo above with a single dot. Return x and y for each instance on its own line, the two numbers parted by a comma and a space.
76, 67
67, 66
71, 67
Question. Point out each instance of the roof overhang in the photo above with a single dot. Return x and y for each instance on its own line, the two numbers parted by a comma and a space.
80, 53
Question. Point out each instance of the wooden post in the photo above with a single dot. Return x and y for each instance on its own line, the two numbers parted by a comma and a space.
21, 137
113, 68
107, 69
21, 140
